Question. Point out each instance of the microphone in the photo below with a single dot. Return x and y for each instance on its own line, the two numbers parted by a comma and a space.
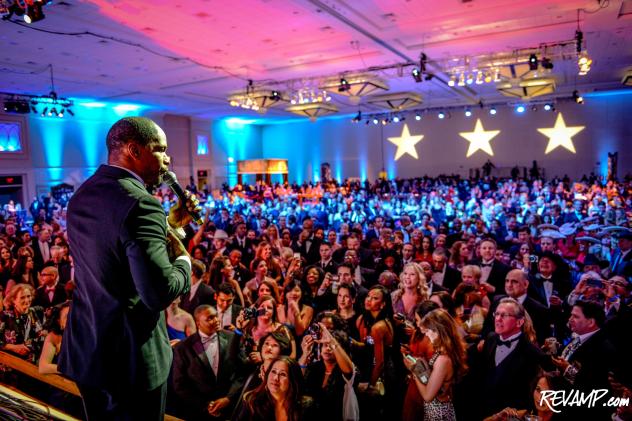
170, 179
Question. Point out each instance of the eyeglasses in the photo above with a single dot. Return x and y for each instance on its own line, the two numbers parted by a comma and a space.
503, 315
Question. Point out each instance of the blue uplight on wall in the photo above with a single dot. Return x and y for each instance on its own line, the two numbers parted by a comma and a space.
10, 137
202, 144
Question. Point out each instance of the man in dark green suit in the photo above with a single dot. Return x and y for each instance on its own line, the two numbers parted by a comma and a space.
129, 265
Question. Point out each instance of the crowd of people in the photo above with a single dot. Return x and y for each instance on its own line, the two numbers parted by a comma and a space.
432, 298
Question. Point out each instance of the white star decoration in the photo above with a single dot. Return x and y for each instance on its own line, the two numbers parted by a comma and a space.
479, 139
560, 135
406, 143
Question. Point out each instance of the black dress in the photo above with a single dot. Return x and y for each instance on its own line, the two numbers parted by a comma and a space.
327, 400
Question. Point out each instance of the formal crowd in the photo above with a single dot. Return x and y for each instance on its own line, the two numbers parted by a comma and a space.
431, 298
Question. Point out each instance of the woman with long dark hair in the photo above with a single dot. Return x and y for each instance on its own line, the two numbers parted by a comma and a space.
294, 313
222, 270
447, 365
278, 397
374, 353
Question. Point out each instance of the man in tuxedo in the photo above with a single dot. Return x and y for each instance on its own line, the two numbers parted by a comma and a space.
243, 244
493, 272
444, 275
41, 245
516, 287
63, 266
241, 272
432, 287
374, 233
200, 293
622, 259
205, 373
227, 311
408, 254
509, 362
551, 283
307, 244
51, 292
589, 357
326, 263
129, 267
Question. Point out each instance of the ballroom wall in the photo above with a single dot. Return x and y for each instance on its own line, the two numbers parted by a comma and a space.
360, 150
70, 149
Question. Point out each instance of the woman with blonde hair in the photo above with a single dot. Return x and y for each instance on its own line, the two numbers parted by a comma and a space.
21, 329
447, 365
413, 289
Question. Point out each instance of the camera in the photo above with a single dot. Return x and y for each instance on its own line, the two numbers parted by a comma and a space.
314, 331
598, 283
533, 258
551, 346
252, 313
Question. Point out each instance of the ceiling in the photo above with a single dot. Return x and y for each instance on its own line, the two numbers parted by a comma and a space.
186, 57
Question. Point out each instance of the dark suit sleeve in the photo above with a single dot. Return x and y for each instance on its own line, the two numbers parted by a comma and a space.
156, 279
237, 376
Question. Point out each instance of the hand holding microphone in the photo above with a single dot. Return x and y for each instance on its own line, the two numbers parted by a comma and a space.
188, 206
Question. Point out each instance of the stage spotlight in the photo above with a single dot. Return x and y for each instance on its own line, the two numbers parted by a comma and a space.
534, 107
375, 121
547, 107
51, 112
34, 13
275, 96
395, 119
452, 80
577, 97
533, 62
61, 113
417, 116
385, 122
441, 115
468, 112
492, 111
470, 79
547, 63
488, 77
417, 75
520, 109
344, 85
462, 79
357, 118
45, 111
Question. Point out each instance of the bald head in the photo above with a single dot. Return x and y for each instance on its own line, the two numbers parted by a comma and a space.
516, 283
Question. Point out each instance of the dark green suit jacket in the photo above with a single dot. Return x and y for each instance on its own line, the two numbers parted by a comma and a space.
116, 332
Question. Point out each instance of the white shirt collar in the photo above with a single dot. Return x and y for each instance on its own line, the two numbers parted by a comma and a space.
583, 338
522, 298
136, 176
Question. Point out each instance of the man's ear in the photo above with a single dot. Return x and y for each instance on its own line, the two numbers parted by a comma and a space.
133, 149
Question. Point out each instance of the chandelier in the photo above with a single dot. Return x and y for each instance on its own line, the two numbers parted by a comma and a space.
256, 99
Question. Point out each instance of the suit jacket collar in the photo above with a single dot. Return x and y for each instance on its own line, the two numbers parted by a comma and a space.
119, 172
198, 347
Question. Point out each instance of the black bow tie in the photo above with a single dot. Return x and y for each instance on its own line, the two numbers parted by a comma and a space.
507, 343
486, 265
